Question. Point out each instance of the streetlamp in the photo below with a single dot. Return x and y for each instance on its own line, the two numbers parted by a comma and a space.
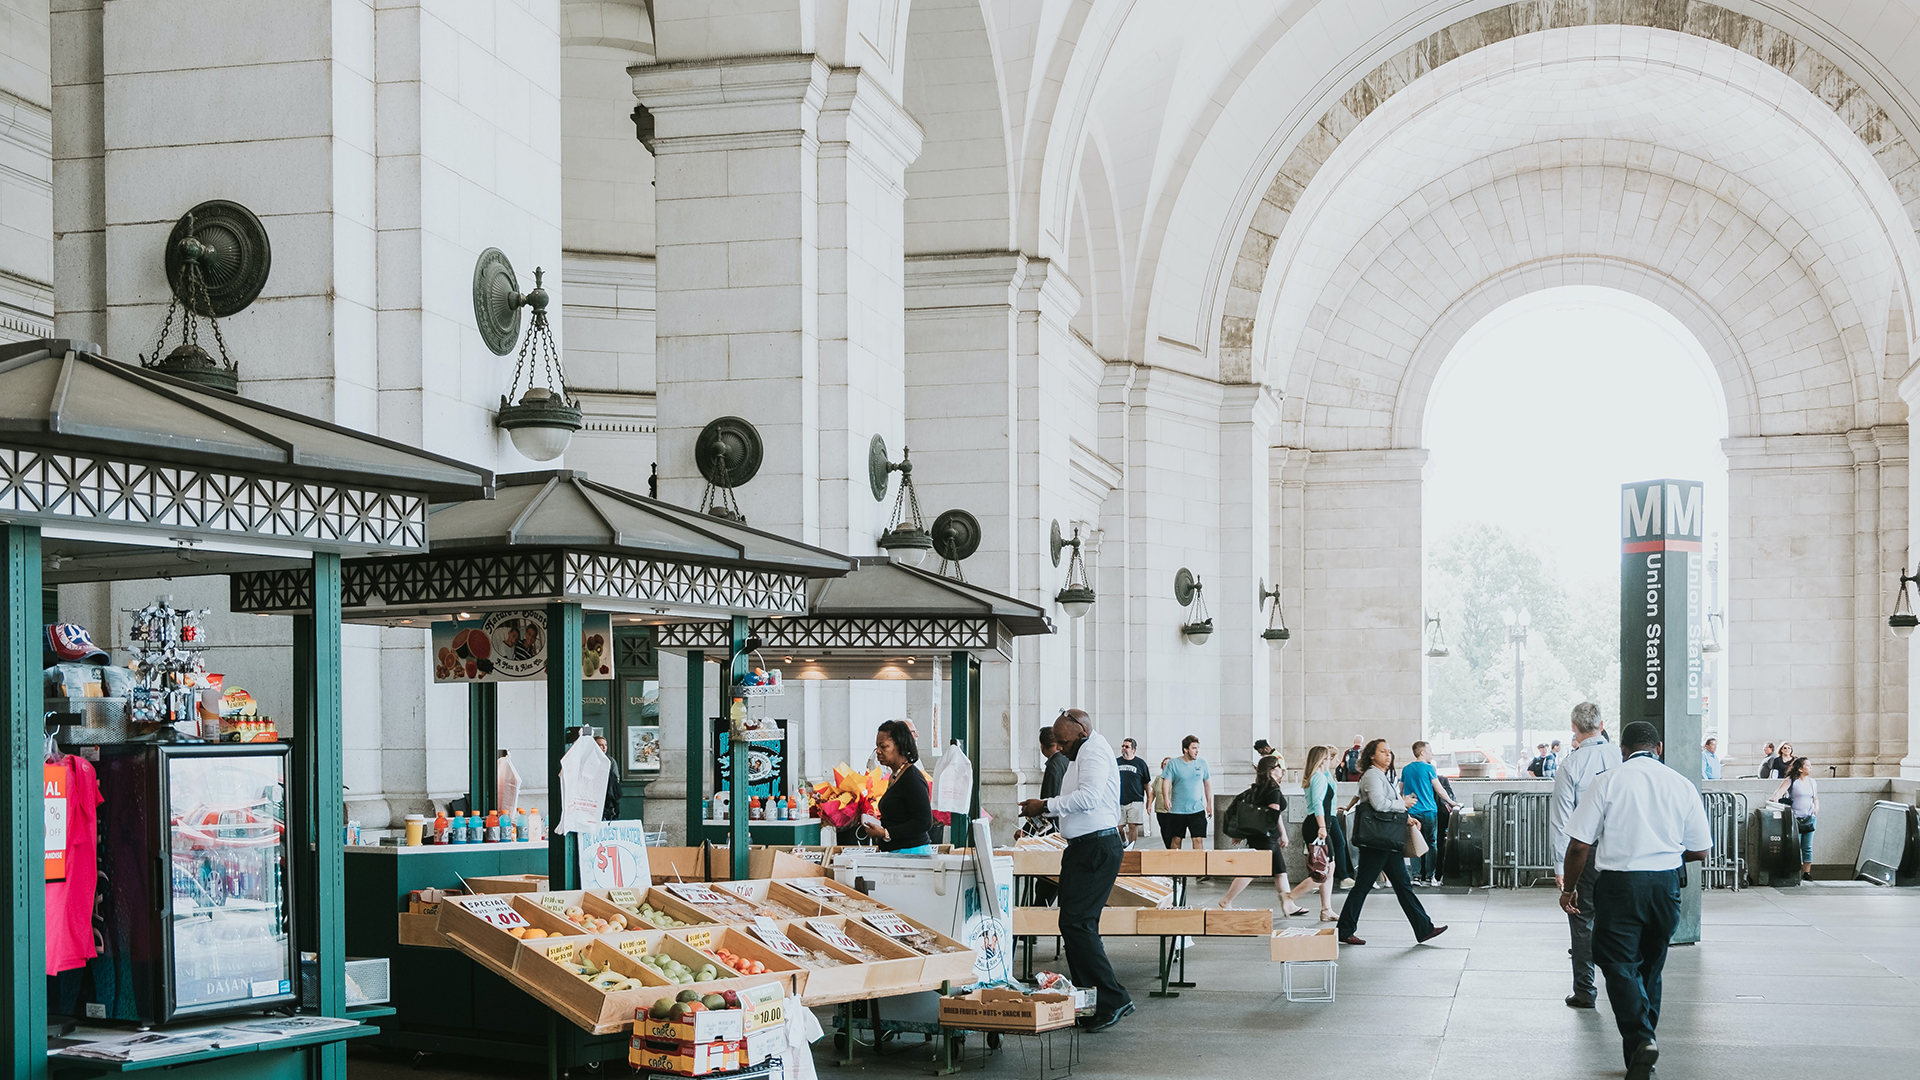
1517, 637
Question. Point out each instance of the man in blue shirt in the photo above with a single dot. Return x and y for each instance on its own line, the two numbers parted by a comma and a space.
1422, 781
1710, 760
1190, 791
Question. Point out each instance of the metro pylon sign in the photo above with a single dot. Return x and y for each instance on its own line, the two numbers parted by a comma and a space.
1662, 581
1662, 585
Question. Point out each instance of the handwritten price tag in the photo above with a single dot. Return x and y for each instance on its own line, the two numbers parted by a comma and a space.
561, 953
818, 891
626, 898
698, 939
891, 925
764, 929
495, 911
697, 894
834, 936
634, 947
555, 903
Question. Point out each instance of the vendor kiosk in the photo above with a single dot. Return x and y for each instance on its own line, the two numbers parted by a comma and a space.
559, 545
114, 472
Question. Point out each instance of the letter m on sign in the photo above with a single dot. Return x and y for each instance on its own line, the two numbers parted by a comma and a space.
1639, 518
1685, 518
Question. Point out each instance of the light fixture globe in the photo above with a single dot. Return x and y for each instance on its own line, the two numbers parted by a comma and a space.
906, 545
1075, 600
541, 424
1276, 636
1198, 632
1903, 624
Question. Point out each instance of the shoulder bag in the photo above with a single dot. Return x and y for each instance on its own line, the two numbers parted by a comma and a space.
1381, 830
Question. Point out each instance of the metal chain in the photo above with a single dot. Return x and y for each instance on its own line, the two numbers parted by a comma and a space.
193, 296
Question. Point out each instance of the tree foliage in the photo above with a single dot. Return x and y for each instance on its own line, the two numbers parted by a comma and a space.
1476, 573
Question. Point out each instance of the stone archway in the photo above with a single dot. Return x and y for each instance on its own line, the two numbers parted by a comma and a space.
1777, 48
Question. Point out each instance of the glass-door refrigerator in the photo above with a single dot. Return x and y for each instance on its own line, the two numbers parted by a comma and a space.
198, 858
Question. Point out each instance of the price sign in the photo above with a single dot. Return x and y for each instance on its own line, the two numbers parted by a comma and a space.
764, 929
698, 939
697, 894
817, 890
561, 953
834, 936
817, 858
555, 903
634, 947
626, 898
742, 889
495, 911
890, 924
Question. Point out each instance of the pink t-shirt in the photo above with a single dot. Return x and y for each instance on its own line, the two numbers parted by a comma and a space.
70, 902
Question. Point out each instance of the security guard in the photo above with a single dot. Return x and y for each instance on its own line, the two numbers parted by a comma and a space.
1639, 822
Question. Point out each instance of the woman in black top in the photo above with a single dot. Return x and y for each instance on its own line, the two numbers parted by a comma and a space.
1267, 794
906, 810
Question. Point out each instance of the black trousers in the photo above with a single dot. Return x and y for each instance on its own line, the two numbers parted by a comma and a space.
1087, 870
1372, 862
1580, 927
1634, 913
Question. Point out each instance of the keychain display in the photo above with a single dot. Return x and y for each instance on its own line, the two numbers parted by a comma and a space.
170, 672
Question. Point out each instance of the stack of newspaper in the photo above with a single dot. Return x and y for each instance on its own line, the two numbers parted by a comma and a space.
146, 1045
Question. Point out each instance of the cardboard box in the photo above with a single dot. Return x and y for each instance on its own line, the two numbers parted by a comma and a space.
1045, 922
508, 883
1007, 1010
1255, 923
684, 1059
422, 930
1305, 944
704, 1026
1179, 862
1240, 862
1164, 921
762, 1045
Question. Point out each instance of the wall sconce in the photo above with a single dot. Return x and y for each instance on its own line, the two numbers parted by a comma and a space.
216, 260
540, 419
1187, 590
1077, 596
728, 452
1276, 633
1436, 640
906, 540
956, 535
1712, 644
1903, 619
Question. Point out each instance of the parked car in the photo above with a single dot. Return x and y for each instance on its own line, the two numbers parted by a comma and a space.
1481, 765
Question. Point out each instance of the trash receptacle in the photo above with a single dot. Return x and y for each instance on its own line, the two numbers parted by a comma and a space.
1464, 859
1778, 863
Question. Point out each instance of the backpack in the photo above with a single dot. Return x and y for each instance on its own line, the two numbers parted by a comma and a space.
1246, 818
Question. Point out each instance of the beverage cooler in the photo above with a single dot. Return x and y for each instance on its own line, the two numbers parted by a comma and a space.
198, 864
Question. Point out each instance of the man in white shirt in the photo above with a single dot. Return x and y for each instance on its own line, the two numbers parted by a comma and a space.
1639, 822
1591, 756
1088, 808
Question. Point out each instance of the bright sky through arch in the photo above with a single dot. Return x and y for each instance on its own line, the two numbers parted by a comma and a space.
1552, 402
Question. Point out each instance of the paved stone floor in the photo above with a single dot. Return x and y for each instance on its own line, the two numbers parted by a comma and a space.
1795, 984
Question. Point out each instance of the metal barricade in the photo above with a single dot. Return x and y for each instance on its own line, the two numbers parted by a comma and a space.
1519, 847
1725, 868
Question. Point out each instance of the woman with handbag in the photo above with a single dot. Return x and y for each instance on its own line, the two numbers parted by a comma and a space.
1380, 831
1315, 831
1803, 796
1267, 795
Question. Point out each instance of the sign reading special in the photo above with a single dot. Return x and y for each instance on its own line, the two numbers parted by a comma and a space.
511, 646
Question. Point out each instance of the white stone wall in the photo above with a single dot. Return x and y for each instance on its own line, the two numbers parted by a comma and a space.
26, 171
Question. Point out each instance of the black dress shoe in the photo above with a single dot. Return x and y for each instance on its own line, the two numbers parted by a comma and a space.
1640, 1066
1103, 1021
1575, 1001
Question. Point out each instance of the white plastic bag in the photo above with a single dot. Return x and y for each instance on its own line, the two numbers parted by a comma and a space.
583, 785
506, 784
953, 781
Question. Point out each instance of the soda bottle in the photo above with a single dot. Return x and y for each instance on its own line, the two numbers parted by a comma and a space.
493, 827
